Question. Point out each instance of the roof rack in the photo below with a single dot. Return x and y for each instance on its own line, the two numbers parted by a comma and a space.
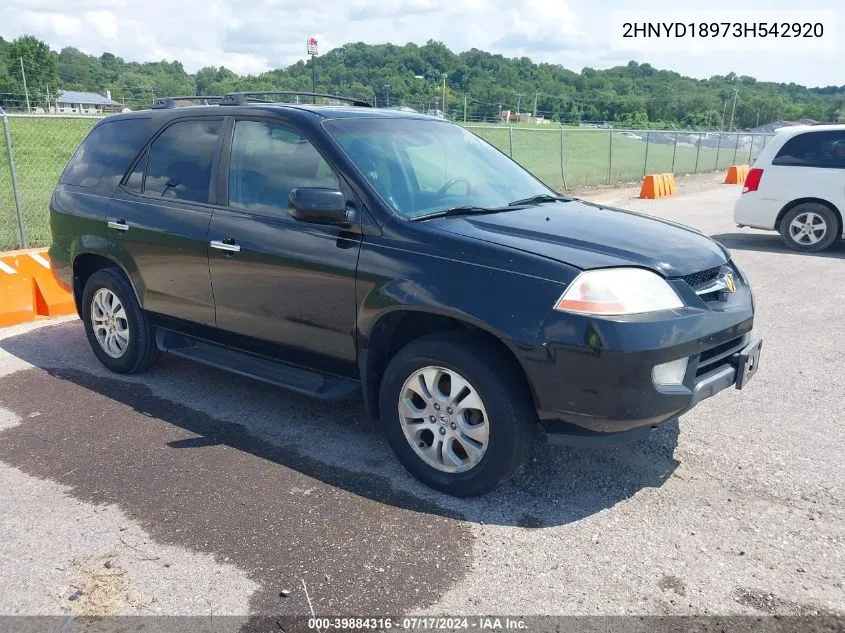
246, 98
243, 98
164, 103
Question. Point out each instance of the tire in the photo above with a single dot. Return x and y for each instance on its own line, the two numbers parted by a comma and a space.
505, 408
128, 335
805, 215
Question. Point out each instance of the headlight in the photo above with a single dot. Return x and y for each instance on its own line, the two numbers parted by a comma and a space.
614, 291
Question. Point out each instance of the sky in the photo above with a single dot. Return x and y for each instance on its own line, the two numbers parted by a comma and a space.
250, 36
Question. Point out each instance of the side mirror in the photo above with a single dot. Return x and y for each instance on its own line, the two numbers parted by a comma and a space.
318, 205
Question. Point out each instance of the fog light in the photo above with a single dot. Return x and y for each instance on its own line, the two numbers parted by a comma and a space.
671, 373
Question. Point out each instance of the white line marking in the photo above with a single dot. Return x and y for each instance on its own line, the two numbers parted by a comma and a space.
40, 259
7, 269
310, 606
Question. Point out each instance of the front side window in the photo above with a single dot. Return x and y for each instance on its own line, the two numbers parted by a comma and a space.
267, 161
179, 164
135, 182
419, 166
813, 149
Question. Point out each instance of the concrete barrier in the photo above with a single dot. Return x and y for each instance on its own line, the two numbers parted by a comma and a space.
658, 186
737, 174
28, 289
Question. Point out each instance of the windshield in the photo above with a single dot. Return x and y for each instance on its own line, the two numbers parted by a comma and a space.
421, 166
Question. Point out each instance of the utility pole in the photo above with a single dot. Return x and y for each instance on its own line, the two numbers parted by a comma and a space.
26, 92
48, 99
387, 92
443, 100
534, 115
518, 102
733, 109
465, 108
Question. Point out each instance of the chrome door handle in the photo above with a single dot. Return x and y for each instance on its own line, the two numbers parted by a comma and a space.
120, 225
223, 246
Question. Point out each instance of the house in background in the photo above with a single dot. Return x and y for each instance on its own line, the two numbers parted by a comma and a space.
73, 102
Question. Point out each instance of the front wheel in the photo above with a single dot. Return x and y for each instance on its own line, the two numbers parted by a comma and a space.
457, 413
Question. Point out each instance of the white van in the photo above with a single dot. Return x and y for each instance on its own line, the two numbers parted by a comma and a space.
797, 187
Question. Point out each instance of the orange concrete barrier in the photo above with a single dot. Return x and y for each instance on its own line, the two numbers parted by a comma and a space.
28, 288
736, 174
658, 186
17, 296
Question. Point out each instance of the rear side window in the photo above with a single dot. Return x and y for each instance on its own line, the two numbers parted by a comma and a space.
179, 163
813, 149
106, 154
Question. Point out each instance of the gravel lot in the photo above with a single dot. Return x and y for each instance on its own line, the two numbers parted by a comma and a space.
193, 491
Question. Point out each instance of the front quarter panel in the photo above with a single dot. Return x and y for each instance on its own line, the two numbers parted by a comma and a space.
487, 286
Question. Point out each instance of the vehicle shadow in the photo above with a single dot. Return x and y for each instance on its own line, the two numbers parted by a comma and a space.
771, 243
333, 443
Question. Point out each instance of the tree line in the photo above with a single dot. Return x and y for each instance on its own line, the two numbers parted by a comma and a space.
478, 85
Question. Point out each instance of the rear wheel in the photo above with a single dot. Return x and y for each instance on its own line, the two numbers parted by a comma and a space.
457, 412
117, 328
809, 227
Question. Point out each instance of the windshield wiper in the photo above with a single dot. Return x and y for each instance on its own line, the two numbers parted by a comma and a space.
464, 210
543, 197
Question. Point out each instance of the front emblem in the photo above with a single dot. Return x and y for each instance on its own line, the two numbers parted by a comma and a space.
730, 284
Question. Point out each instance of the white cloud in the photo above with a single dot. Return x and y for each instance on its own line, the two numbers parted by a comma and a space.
250, 36
104, 23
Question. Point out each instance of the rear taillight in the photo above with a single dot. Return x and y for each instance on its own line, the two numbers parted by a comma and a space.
752, 180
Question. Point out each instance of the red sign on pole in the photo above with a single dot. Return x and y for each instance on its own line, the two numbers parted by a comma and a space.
311, 45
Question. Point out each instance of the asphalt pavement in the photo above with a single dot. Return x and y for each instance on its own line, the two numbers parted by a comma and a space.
189, 490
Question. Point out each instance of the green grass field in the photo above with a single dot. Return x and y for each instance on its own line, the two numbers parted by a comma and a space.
577, 158
42, 148
564, 160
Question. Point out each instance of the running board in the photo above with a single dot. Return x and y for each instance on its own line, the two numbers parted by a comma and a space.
317, 385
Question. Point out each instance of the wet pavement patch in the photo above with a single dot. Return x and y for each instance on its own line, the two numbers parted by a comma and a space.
289, 521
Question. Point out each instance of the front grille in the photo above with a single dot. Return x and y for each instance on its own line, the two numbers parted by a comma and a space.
710, 358
705, 276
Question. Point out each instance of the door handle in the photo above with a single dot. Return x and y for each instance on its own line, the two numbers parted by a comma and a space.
224, 245
120, 225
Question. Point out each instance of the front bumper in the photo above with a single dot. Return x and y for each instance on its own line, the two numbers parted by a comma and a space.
592, 378
736, 370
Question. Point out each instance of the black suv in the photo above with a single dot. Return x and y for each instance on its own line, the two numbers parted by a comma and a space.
332, 249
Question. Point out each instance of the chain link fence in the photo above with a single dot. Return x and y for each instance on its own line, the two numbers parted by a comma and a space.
41, 146
570, 158
565, 158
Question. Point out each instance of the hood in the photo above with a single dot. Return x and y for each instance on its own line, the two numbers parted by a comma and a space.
587, 235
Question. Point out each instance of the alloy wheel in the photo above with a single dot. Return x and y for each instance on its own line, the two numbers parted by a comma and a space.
444, 419
807, 228
109, 322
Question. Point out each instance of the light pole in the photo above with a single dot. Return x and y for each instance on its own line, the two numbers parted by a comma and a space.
422, 78
387, 90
